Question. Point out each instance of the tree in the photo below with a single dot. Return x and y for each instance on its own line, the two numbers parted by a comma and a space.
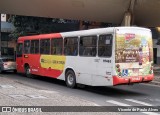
27, 25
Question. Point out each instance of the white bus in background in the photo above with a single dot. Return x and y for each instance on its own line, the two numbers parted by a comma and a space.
95, 57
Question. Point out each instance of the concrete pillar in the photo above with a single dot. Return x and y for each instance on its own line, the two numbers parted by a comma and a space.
0, 34
127, 19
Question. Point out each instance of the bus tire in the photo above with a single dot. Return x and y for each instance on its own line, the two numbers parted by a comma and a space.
70, 79
15, 71
1, 70
28, 71
81, 86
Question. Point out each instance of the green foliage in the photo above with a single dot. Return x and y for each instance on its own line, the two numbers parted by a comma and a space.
26, 25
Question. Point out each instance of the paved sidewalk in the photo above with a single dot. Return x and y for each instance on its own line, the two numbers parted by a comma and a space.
156, 70
13, 93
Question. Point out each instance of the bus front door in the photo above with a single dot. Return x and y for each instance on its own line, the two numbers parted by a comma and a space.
19, 57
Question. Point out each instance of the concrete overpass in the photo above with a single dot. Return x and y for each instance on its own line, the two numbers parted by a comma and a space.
125, 12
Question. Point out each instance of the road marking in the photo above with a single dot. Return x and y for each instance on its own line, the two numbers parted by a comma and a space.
96, 104
36, 96
117, 103
6, 86
150, 113
139, 102
123, 104
18, 96
47, 91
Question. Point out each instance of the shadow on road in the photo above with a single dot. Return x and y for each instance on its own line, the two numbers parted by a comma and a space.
112, 91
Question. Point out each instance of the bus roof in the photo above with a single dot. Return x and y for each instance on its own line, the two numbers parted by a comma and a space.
52, 35
108, 30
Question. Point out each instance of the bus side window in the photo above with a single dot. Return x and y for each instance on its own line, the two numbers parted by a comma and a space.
27, 46
88, 46
34, 47
56, 46
105, 45
71, 46
45, 46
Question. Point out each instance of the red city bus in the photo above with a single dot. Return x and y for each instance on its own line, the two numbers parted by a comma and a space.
96, 57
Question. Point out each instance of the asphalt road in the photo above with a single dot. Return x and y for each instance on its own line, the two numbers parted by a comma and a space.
124, 95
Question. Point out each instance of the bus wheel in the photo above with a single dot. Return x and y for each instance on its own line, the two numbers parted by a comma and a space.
28, 71
1, 71
15, 71
70, 79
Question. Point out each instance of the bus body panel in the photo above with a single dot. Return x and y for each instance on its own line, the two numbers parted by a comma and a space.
94, 71
19, 64
134, 56
34, 60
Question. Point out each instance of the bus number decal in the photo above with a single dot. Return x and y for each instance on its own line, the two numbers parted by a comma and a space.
108, 61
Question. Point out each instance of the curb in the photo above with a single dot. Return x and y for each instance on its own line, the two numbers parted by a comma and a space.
155, 83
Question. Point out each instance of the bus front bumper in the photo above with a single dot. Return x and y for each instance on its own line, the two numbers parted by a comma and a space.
130, 80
